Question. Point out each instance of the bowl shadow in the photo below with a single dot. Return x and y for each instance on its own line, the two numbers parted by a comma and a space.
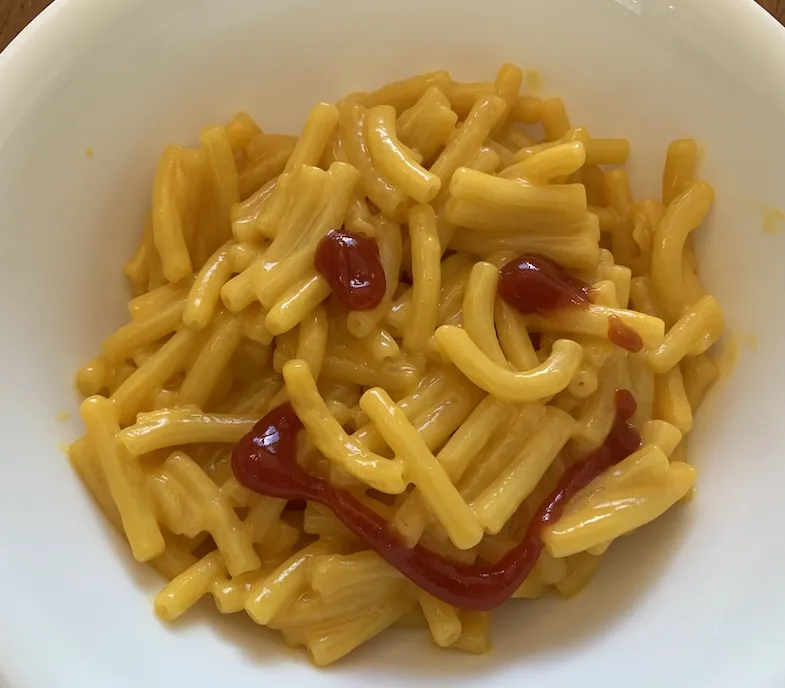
533, 629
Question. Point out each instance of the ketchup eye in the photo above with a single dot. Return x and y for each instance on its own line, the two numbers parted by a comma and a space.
350, 264
535, 284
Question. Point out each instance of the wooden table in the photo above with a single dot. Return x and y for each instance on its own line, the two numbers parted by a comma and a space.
16, 14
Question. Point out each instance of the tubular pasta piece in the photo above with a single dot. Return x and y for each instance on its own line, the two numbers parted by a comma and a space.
542, 382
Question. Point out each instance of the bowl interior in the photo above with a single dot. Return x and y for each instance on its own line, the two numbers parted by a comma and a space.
126, 78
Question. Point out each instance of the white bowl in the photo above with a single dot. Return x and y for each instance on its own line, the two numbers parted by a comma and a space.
694, 600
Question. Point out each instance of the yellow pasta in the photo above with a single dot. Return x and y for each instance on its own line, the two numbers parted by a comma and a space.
309, 185
670, 400
684, 214
426, 473
330, 438
515, 342
359, 217
272, 593
206, 290
312, 341
137, 269
182, 425
263, 166
231, 538
167, 223
242, 256
578, 251
554, 119
318, 128
502, 449
428, 124
150, 302
699, 328
443, 620
223, 177
311, 611
353, 127
328, 645
213, 358
230, 594
395, 161
93, 376
594, 321
615, 511
485, 114
254, 325
478, 308
475, 633
547, 165
295, 303
621, 277
541, 382
582, 568
124, 479
663, 435
476, 197
334, 574
497, 503
426, 278
527, 109
186, 589
172, 357
291, 255
360, 323
143, 331
598, 413
437, 412
237, 294
174, 507
699, 373
240, 130
679, 168
619, 196
403, 94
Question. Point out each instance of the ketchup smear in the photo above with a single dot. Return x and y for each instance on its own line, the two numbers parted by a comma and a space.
264, 461
535, 284
350, 264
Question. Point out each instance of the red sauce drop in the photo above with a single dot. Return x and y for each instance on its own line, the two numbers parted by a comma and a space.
264, 461
350, 264
623, 336
625, 404
535, 284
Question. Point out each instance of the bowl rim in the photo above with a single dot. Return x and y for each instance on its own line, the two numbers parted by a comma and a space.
46, 47
65, 21
50, 39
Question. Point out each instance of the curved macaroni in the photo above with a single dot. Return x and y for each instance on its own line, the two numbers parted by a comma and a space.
329, 437
544, 381
393, 159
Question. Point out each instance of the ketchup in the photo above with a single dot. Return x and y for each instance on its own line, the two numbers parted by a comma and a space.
350, 264
623, 336
265, 461
535, 284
